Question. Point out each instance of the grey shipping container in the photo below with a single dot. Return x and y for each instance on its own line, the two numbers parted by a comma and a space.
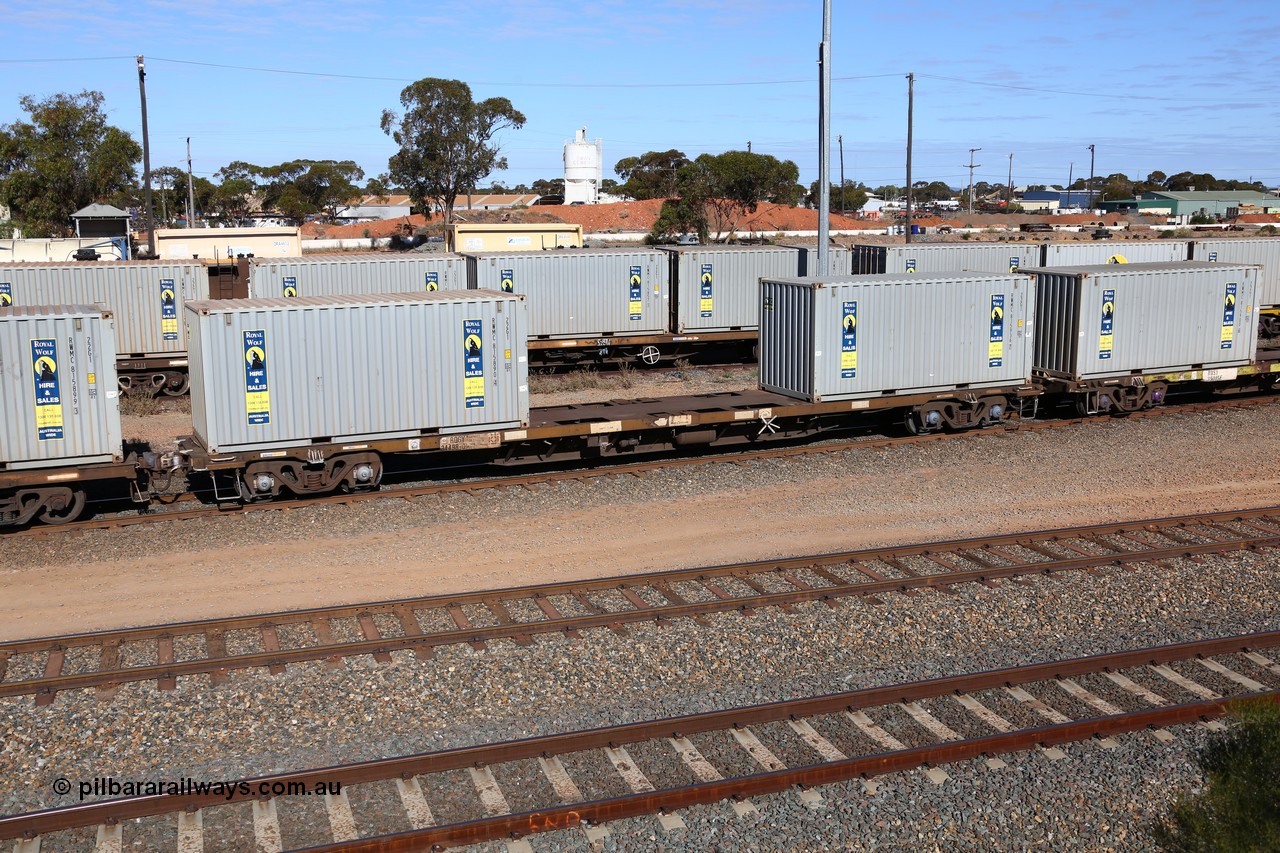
278, 373
1083, 253
1261, 250
59, 401
585, 293
855, 337
934, 258
838, 260
146, 297
1098, 322
717, 288
348, 275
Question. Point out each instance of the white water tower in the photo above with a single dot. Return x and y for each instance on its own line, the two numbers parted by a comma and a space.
583, 169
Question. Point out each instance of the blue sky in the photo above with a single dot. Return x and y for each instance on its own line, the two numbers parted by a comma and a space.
1173, 86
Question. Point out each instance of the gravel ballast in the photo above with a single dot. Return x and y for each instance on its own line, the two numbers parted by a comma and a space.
314, 716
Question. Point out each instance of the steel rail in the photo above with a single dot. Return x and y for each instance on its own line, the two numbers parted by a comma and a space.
511, 593
772, 782
607, 470
280, 657
113, 811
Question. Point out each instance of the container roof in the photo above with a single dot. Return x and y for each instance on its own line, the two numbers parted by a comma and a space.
231, 306
100, 211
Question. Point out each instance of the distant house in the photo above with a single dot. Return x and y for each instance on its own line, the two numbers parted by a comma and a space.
372, 208
494, 201
1181, 206
1047, 201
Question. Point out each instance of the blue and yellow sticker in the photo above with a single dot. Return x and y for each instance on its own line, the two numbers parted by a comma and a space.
257, 399
995, 346
635, 305
1014, 263
911, 264
1105, 336
508, 284
1213, 256
433, 282
168, 310
473, 363
289, 286
849, 340
1229, 317
706, 302
6, 294
44, 366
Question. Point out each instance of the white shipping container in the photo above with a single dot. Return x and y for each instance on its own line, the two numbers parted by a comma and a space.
935, 258
59, 401
864, 336
279, 373
1079, 254
718, 287
1099, 322
146, 297
356, 273
1262, 250
581, 293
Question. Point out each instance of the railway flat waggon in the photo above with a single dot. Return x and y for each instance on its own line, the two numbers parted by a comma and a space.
59, 404
959, 341
303, 395
1110, 336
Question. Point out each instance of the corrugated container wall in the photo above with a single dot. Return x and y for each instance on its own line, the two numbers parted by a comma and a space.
717, 288
146, 297
349, 275
1097, 322
838, 260
273, 373
59, 401
853, 337
1254, 251
1114, 252
581, 292
933, 258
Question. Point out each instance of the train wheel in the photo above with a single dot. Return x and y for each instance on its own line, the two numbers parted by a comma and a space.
363, 475
650, 355
62, 506
176, 383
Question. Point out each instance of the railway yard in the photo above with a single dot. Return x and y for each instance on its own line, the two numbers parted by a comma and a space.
500, 660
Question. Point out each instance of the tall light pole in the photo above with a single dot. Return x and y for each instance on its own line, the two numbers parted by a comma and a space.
824, 140
840, 140
146, 161
911, 101
1008, 202
191, 195
1090, 194
972, 166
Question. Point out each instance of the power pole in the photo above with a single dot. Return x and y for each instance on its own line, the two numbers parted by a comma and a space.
191, 194
146, 161
911, 98
824, 141
1071, 173
1090, 187
748, 146
972, 166
1008, 202
840, 139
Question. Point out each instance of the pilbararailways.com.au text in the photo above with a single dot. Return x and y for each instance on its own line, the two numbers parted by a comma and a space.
109, 786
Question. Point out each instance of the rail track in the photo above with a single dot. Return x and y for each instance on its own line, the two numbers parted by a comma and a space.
187, 506
580, 781
164, 653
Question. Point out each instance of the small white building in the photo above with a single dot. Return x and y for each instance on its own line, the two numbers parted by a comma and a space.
373, 208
